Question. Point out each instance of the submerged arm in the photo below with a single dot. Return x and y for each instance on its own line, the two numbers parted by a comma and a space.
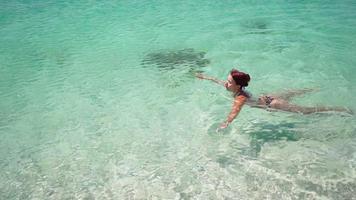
235, 110
215, 80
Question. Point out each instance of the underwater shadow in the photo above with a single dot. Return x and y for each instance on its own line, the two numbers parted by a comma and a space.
267, 133
184, 59
176, 67
256, 26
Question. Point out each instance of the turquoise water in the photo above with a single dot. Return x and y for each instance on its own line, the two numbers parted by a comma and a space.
82, 116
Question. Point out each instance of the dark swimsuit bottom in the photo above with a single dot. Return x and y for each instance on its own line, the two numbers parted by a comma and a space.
268, 101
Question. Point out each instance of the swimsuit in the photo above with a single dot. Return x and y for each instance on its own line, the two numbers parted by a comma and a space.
268, 100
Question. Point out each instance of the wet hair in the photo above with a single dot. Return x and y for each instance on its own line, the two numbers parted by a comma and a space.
240, 78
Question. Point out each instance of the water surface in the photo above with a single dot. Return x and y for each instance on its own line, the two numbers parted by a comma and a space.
84, 115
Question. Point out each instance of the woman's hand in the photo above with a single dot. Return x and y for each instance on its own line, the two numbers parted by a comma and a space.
224, 125
200, 76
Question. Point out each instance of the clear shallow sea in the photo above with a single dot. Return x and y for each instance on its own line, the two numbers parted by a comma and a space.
83, 117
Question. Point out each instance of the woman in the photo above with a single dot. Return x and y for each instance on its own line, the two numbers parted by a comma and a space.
237, 81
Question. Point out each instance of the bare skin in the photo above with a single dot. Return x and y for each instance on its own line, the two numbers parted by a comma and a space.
274, 101
281, 102
239, 100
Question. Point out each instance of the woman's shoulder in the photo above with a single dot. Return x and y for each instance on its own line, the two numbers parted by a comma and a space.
245, 94
242, 97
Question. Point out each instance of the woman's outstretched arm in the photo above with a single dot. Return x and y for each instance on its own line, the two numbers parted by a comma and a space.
215, 80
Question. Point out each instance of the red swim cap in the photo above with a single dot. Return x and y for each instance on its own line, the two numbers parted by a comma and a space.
240, 78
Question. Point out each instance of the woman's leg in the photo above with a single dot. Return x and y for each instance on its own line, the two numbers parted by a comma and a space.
286, 106
287, 95
310, 110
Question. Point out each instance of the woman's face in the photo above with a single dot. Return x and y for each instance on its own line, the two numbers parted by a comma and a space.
231, 85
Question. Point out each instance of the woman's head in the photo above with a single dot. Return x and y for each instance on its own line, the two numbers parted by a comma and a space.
236, 80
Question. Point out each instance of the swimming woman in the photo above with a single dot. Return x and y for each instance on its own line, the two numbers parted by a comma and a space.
237, 81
